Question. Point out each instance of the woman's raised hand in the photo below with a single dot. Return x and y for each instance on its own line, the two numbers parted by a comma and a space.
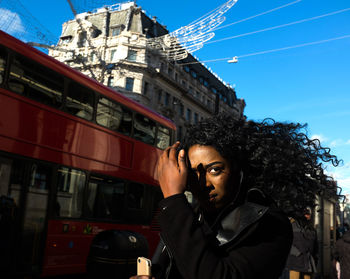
172, 171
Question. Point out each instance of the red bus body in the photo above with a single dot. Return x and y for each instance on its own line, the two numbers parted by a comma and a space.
34, 132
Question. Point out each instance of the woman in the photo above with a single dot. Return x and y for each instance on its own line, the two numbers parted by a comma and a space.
303, 256
241, 173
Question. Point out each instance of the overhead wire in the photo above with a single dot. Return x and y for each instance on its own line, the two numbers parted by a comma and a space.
257, 15
272, 50
295, 46
279, 26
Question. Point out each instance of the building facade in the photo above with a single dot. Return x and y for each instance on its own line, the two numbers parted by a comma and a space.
111, 46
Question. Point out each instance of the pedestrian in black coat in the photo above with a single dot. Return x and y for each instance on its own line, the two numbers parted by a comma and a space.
303, 256
342, 255
242, 174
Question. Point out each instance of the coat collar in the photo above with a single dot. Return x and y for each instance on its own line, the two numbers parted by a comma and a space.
239, 218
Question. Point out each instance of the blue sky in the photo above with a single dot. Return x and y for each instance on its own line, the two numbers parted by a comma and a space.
308, 84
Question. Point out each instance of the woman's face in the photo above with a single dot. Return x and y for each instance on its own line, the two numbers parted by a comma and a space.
213, 184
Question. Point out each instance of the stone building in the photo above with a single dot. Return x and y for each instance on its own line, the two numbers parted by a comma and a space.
110, 45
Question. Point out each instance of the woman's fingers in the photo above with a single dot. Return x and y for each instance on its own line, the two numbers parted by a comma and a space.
172, 152
182, 161
171, 170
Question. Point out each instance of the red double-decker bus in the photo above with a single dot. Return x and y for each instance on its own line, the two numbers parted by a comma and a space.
76, 158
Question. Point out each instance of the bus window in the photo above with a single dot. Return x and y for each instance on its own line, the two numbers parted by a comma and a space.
36, 203
163, 137
135, 195
114, 116
5, 169
2, 64
144, 129
38, 178
80, 101
37, 196
36, 82
70, 192
106, 198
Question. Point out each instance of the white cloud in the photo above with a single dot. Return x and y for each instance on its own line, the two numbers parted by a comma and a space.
342, 175
335, 143
339, 142
321, 138
11, 22
332, 143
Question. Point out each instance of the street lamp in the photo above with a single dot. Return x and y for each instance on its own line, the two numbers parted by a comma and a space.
233, 60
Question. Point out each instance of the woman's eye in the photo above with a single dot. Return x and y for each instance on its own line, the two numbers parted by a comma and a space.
216, 170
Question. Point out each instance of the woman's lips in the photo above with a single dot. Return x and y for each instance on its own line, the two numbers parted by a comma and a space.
212, 197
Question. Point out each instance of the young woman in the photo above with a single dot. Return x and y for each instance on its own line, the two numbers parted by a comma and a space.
243, 174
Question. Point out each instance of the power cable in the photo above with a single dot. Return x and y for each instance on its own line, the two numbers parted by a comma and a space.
272, 50
254, 16
279, 26
295, 46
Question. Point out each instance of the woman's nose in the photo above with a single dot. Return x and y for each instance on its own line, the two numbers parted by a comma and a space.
207, 181
204, 180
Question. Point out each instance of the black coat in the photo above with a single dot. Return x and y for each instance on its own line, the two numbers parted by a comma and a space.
342, 255
304, 252
250, 241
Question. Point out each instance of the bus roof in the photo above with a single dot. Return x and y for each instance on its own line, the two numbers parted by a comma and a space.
32, 53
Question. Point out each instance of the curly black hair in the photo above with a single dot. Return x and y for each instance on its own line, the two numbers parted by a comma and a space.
279, 158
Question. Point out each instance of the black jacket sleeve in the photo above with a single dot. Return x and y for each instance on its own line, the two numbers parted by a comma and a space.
261, 254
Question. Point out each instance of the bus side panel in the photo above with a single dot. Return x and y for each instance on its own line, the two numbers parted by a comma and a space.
29, 123
68, 242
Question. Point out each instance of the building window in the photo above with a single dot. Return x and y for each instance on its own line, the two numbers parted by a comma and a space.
175, 102
132, 55
176, 76
209, 104
110, 81
167, 99
66, 39
170, 71
145, 89
129, 84
93, 57
186, 69
196, 118
188, 115
159, 97
95, 33
113, 54
181, 109
190, 90
116, 31
82, 39
179, 133
193, 74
